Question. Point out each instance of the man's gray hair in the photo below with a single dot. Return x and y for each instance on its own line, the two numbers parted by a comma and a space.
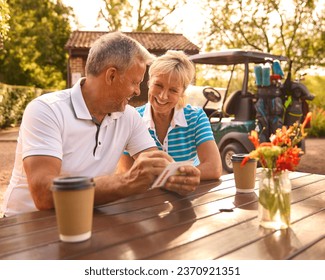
115, 50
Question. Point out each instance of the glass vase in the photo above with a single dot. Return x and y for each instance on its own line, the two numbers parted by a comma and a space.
274, 199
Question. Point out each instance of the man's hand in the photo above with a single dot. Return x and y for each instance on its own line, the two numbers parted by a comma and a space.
138, 179
145, 169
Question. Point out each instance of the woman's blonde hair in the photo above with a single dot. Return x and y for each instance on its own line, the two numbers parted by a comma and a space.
178, 66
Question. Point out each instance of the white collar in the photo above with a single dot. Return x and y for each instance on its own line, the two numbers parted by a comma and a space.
80, 107
178, 118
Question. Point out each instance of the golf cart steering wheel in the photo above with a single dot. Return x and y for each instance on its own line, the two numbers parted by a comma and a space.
212, 94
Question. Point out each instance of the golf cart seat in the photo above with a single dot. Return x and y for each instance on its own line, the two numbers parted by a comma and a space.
241, 107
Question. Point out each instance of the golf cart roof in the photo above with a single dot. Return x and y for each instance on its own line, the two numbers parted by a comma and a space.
234, 56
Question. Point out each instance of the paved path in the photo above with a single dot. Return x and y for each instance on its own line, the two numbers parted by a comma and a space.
9, 134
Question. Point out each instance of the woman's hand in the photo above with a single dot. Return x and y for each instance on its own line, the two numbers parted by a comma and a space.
186, 182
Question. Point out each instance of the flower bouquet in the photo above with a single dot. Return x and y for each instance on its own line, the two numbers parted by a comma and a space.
277, 157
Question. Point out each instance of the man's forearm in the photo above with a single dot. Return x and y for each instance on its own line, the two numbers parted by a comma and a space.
110, 188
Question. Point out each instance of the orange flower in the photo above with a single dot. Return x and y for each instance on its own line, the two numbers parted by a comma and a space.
289, 159
266, 144
254, 138
306, 121
282, 152
245, 160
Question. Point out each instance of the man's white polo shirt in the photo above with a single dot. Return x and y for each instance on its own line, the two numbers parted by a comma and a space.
59, 124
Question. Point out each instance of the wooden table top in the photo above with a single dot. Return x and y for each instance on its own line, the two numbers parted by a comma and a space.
212, 223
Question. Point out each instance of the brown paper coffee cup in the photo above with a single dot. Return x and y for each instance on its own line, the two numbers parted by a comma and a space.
74, 203
244, 175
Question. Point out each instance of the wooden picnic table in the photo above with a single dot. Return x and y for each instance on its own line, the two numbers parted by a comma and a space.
214, 222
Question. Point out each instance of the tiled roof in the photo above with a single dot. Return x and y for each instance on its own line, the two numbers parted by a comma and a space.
154, 42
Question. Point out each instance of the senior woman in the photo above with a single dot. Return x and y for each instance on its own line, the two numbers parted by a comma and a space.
181, 130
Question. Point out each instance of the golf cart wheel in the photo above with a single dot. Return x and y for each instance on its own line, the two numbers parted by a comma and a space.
227, 152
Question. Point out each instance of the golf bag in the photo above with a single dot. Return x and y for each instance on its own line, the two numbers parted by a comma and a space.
295, 105
269, 111
279, 104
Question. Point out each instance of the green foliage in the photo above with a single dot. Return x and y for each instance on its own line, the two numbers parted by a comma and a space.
34, 52
13, 101
317, 128
4, 21
316, 85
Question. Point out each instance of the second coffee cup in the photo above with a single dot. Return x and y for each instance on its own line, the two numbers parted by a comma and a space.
245, 176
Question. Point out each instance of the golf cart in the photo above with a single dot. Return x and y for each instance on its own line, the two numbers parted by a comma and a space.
267, 105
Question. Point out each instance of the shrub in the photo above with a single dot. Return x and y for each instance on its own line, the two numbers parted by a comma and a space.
13, 101
317, 128
315, 85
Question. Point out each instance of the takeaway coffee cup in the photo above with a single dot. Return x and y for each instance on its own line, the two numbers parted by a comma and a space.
74, 203
244, 175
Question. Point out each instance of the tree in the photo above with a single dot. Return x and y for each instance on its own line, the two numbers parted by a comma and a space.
4, 21
115, 12
34, 52
293, 28
144, 15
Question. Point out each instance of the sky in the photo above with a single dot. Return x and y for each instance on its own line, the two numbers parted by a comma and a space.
87, 11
